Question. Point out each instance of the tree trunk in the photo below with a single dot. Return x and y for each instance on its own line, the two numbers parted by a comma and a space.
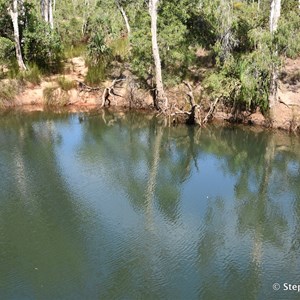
44, 10
85, 16
14, 17
120, 7
274, 18
51, 22
160, 94
274, 15
47, 12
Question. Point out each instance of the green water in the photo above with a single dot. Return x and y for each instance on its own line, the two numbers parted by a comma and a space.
118, 207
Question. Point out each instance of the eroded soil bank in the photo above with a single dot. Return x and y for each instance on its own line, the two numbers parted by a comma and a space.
127, 94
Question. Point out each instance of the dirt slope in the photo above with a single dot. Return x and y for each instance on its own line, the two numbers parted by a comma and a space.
286, 114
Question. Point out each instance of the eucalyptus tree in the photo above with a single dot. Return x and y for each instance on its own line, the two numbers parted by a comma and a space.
274, 18
160, 93
14, 14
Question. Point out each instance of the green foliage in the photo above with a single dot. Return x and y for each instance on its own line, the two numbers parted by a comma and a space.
96, 73
120, 48
65, 84
288, 34
243, 80
76, 50
43, 46
174, 39
7, 48
234, 33
32, 74
97, 48
6, 29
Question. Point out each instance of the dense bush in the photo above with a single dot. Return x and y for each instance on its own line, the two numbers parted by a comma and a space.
6, 50
43, 46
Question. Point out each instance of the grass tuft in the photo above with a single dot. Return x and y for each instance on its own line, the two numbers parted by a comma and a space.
96, 74
54, 96
8, 91
65, 84
71, 51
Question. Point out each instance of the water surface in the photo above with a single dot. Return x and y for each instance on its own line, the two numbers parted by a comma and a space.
114, 206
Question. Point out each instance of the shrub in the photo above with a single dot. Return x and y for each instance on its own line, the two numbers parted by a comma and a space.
71, 51
120, 48
97, 48
8, 91
6, 50
54, 96
43, 47
65, 84
288, 34
33, 74
96, 73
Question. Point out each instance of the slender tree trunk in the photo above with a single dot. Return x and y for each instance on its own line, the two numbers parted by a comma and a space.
47, 12
14, 17
51, 22
85, 16
120, 7
274, 18
160, 94
274, 15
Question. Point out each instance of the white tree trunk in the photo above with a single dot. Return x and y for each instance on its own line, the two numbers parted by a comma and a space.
14, 17
51, 22
274, 18
120, 7
275, 15
160, 96
47, 12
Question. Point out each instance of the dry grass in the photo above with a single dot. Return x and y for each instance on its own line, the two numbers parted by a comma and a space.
55, 96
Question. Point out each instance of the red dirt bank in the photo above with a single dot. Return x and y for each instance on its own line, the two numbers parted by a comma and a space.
285, 115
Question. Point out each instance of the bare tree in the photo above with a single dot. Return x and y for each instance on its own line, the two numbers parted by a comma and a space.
160, 94
13, 12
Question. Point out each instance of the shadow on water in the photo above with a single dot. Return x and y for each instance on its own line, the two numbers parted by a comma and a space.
119, 205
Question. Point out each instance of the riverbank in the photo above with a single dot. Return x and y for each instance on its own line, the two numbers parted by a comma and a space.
69, 92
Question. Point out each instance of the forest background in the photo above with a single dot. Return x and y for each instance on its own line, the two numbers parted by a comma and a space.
234, 49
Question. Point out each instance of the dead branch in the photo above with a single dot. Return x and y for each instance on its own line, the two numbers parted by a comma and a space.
83, 87
210, 113
190, 94
195, 112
